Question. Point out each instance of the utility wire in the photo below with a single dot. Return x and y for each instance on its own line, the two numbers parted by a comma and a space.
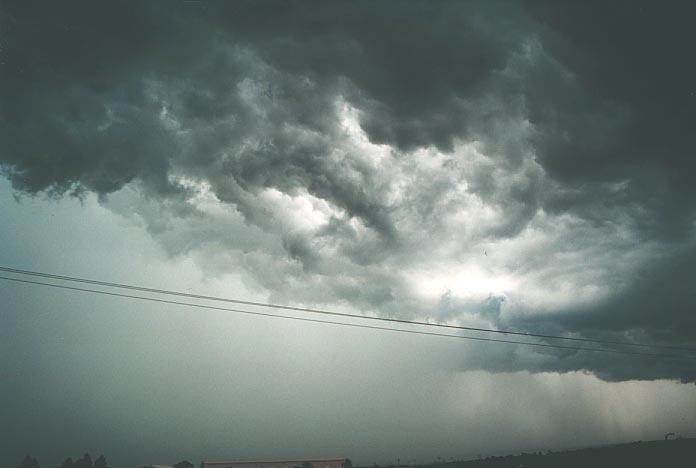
345, 324
337, 314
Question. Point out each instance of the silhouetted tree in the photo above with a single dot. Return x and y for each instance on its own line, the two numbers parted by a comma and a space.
100, 462
68, 463
84, 462
28, 462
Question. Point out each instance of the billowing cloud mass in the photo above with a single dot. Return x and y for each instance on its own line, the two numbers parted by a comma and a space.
514, 165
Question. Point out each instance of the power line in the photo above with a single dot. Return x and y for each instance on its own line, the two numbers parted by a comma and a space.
338, 314
345, 324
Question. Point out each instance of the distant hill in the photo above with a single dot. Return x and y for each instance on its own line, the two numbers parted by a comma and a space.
677, 453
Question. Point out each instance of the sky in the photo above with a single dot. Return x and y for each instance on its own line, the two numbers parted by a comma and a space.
508, 165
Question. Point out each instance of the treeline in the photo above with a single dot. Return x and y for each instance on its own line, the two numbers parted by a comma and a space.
84, 462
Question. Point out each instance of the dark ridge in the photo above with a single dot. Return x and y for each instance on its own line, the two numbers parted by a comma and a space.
677, 453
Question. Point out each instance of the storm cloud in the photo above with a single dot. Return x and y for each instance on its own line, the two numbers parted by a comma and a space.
515, 165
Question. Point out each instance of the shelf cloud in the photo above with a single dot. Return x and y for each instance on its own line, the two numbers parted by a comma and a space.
517, 165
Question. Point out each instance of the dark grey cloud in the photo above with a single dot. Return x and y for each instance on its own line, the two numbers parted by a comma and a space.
655, 305
340, 153
637, 108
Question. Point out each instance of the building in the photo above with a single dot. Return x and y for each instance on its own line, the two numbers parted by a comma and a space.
300, 463
181, 464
